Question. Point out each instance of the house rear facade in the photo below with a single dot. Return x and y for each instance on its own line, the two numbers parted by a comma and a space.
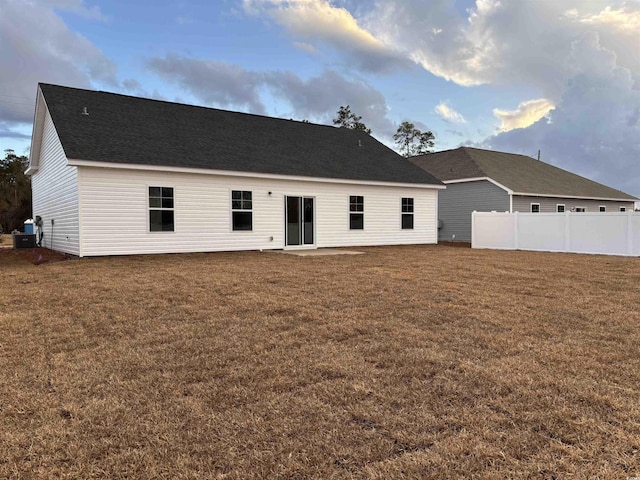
114, 174
484, 181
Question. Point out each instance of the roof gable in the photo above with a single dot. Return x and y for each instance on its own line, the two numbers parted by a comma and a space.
519, 173
130, 130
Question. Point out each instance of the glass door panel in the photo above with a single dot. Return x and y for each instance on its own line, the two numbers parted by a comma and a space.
308, 221
294, 225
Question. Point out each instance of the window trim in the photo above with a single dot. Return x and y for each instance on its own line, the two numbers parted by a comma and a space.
558, 205
356, 211
531, 207
241, 210
602, 208
149, 208
622, 209
579, 209
408, 213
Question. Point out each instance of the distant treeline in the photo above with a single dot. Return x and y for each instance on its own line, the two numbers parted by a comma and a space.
15, 192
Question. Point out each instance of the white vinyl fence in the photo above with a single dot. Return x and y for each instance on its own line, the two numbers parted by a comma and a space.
616, 233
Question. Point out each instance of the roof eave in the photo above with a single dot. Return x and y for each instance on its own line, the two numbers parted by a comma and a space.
479, 179
577, 197
36, 132
545, 195
233, 173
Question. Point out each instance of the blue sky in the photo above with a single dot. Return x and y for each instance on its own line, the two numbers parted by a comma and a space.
512, 75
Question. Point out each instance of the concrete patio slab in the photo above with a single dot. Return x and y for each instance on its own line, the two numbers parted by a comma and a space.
318, 252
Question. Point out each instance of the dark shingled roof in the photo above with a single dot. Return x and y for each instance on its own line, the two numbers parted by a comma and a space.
519, 173
124, 129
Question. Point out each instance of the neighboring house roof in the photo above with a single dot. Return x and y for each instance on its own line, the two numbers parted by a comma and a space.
121, 129
518, 173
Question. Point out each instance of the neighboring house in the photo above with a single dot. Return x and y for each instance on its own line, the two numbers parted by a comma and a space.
114, 174
483, 180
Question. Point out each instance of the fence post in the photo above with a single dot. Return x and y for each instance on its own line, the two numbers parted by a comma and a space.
515, 231
473, 229
629, 233
567, 231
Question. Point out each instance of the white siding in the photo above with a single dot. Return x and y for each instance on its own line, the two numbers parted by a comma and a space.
115, 213
55, 194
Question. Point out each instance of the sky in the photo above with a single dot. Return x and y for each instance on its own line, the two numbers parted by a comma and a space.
557, 76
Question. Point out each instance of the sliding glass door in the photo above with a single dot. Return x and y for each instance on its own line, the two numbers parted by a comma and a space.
300, 221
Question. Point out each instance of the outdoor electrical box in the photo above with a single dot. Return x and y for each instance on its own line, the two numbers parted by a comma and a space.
24, 240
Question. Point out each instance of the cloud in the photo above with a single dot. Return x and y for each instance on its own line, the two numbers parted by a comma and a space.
212, 82
432, 34
75, 6
320, 97
132, 85
319, 21
448, 114
7, 132
305, 47
455, 133
580, 56
317, 98
594, 129
526, 114
37, 46
624, 18
504, 42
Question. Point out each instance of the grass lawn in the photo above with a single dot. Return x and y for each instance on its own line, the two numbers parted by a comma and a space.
405, 362
6, 240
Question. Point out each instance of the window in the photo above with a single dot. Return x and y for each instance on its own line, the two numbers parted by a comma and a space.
535, 208
356, 215
241, 210
161, 209
580, 209
602, 208
407, 213
560, 208
623, 209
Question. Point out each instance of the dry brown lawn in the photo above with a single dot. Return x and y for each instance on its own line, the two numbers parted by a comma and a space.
405, 362
6, 240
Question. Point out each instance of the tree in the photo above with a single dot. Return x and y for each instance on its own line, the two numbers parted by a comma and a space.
347, 119
15, 191
411, 141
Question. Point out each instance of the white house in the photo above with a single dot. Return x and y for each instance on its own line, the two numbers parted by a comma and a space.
114, 174
485, 181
